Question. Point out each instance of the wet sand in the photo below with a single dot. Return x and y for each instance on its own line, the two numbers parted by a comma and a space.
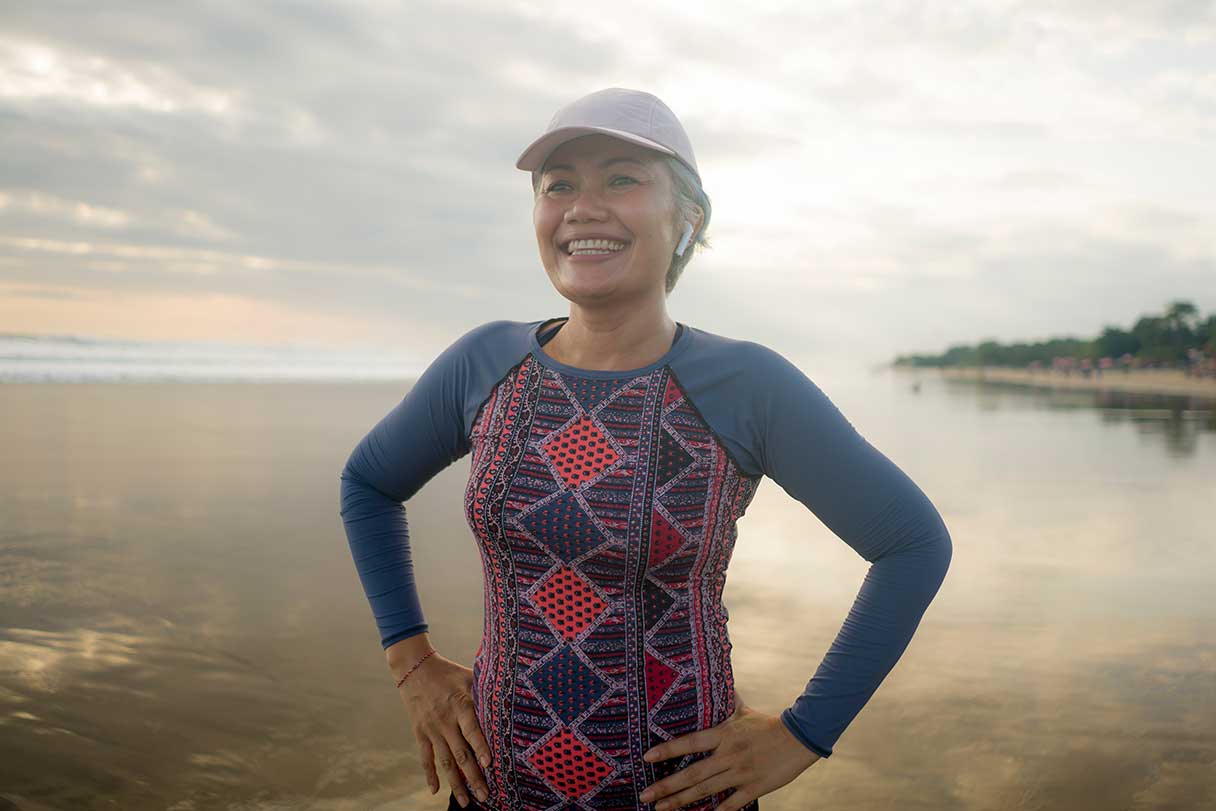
181, 625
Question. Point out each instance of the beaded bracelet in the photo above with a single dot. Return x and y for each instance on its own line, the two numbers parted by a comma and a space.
401, 681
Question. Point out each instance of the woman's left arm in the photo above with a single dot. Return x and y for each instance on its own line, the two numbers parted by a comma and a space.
803, 442
819, 458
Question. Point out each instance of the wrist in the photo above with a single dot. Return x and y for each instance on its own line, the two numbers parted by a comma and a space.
404, 654
410, 671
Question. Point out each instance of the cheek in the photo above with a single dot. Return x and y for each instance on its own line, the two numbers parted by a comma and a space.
545, 222
656, 223
656, 236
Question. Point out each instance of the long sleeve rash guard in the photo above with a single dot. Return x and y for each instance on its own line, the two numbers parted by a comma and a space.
604, 506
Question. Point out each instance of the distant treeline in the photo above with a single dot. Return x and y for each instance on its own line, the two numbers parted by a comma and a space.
1177, 338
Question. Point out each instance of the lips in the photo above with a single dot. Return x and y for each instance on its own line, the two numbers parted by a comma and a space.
598, 243
592, 254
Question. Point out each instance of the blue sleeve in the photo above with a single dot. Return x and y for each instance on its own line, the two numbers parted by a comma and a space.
808, 447
422, 435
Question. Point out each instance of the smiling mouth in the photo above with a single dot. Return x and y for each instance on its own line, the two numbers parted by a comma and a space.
598, 247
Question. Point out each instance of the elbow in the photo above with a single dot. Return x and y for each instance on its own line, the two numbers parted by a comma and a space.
356, 478
945, 554
348, 474
354, 491
348, 488
354, 460
938, 552
937, 544
930, 550
363, 492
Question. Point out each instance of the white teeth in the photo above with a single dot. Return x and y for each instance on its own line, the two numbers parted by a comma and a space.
582, 246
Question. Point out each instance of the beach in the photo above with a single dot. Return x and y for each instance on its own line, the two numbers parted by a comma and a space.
182, 626
1148, 381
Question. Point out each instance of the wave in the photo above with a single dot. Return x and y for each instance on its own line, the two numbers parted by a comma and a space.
74, 358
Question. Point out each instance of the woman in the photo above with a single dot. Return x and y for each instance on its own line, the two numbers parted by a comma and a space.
613, 451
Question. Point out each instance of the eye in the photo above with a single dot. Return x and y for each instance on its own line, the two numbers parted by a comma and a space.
553, 186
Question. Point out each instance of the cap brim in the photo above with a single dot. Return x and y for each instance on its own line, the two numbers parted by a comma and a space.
534, 156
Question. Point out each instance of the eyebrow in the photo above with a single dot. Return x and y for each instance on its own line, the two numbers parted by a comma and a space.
603, 165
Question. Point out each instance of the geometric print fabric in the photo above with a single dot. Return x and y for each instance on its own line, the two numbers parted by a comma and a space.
605, 496
569, 602
580, 451
562, 525
568, 684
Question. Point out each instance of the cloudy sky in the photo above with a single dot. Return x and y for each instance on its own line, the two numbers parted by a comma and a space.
886, 176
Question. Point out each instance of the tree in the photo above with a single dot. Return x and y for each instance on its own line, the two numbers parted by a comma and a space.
1114, 342
1153, 333
1182, 317
1154, 338
1181, 322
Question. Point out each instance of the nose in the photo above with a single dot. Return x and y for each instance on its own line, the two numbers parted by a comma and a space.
586, 205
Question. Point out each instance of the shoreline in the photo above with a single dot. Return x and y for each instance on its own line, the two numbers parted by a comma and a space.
1138, 381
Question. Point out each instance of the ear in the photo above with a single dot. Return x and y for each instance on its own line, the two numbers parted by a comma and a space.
696, 224
697, 218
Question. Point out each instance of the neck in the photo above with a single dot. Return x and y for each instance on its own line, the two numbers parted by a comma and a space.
613, 339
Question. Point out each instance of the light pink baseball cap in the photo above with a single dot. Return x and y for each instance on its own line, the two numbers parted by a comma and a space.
632, 115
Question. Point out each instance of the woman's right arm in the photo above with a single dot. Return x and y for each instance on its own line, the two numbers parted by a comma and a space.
419, 437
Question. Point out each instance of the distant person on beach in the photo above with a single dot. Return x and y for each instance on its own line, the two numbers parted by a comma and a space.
612, 451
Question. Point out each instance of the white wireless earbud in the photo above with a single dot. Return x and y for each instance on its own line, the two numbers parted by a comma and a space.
684, 240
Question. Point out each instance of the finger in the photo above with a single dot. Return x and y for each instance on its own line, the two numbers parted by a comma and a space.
467, 763
689, 776
699, 741
711, 785
426, 754
447, 763
471, 728
739, 799
480, 751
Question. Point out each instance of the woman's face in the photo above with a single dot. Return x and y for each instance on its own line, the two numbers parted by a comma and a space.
597, 186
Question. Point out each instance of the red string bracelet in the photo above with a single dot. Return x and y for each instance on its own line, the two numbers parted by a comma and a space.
401, 681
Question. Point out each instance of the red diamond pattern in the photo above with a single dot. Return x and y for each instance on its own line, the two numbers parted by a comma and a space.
580, 452
569, 602
569, 765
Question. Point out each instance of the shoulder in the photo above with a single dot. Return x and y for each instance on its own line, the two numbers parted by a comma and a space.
482, 351
738, 387
489, 332
747, 375
466, 371
484, 354
751, 361
489, 343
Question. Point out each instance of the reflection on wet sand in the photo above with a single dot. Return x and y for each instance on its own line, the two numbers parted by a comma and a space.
181, 626
154, 722
1177, 419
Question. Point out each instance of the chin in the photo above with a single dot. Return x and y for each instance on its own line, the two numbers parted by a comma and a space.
592, 277
582, 292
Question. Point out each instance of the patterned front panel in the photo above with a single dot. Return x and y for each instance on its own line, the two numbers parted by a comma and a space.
605, 513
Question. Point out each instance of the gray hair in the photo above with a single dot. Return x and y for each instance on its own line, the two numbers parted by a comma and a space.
687, 194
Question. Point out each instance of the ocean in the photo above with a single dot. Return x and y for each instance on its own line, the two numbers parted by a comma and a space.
74, 359
182, 627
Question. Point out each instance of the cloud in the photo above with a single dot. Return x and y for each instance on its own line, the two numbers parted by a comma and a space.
361, 158
36, 73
